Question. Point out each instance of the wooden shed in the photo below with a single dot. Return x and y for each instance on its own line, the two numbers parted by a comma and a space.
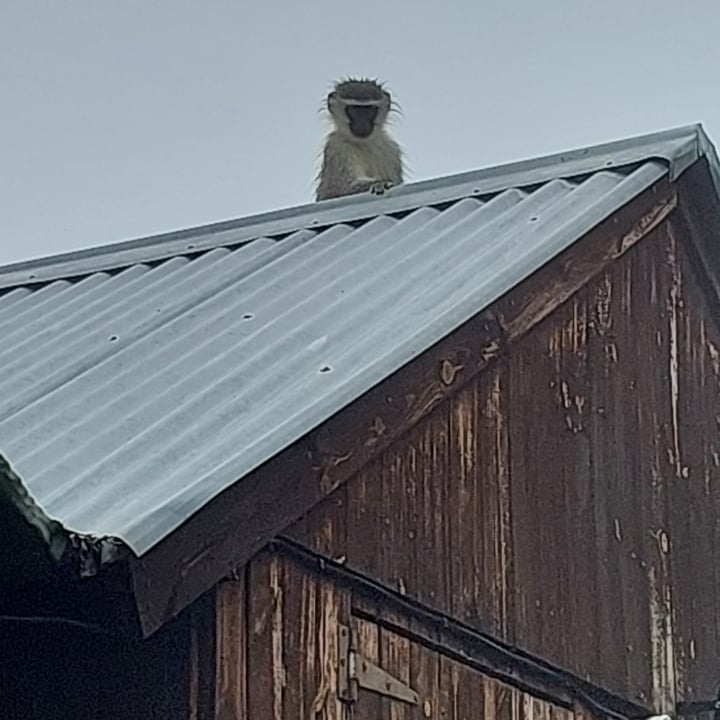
452, 453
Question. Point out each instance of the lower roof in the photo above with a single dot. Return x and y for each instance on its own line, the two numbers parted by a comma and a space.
140, 380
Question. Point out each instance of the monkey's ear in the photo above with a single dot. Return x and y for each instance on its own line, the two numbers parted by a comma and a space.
330, 100
388, 99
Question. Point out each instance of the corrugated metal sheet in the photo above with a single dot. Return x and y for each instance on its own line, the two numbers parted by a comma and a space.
129, 397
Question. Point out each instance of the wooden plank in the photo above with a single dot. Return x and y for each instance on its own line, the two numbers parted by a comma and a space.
395, 659
462, 495
447, 708
496, 504
333, 608
324, 527
367, 637
390, 561
365, 516
641, 422
694, 546
431, 549
662, 462
693, 533
293, 622
241, 520
231, 657
606, 474
202, 667
573, 491
424, 677
266, 671
469, 692
531, 415
301, 643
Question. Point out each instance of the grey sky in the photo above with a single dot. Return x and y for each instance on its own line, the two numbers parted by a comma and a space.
123, 118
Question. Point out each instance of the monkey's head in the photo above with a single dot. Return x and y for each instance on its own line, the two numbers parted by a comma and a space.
359, 106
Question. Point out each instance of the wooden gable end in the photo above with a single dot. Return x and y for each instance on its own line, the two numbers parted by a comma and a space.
565, 498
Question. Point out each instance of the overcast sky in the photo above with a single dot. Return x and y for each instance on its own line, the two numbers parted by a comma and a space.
122, 118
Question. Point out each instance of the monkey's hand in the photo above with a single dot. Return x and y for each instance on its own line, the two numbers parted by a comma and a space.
375, 187
380, 187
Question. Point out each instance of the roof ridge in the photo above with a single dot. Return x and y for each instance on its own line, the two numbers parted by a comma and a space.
679, 147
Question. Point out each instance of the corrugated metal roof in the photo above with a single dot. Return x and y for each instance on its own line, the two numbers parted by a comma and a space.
139, 381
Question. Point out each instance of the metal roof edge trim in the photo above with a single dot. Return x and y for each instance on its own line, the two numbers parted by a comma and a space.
679, 147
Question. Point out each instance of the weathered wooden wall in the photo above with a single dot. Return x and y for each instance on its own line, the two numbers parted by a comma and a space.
277, 653
567, 498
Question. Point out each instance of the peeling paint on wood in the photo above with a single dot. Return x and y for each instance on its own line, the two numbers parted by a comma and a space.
278, 667
672, 309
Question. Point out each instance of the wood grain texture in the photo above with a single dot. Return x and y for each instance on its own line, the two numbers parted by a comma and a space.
565, 498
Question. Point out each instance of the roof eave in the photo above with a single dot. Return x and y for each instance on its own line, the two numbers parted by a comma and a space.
43, 547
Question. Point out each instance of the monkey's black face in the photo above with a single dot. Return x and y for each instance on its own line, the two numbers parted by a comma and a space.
362, 119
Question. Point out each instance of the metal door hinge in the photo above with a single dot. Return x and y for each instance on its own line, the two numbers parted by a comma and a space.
356, 671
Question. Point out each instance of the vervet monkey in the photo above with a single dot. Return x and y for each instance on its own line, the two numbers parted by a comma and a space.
359, 155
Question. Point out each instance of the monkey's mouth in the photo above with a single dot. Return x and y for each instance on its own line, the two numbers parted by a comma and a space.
362, 119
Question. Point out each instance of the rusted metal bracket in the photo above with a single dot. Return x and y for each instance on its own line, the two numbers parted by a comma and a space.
356, 671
